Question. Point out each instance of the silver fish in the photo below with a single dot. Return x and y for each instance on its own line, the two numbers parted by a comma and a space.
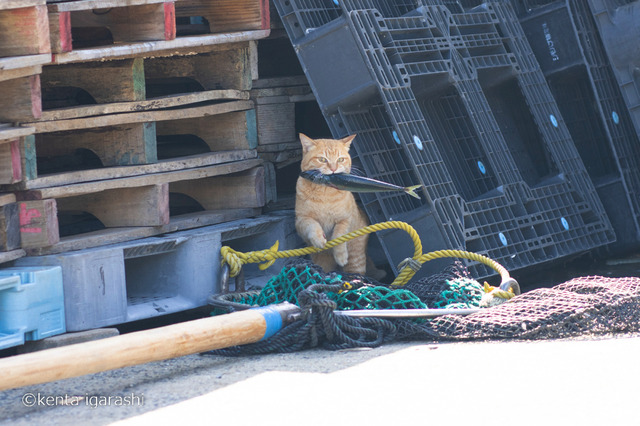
352, 183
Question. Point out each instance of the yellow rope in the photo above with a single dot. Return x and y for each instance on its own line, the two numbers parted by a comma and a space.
494, 296
236, 259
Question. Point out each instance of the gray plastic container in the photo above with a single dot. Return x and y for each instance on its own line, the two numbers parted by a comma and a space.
154, 276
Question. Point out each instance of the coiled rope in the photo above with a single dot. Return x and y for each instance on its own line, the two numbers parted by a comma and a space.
408, 267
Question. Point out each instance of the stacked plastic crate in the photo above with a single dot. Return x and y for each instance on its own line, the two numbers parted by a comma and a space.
597, 96
618, 23
454, 101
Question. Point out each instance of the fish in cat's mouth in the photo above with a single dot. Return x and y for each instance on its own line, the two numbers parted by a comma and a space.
353, 183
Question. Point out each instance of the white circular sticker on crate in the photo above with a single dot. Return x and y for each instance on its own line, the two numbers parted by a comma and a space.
565, 223
616, 117
396, 137
482, 168
418, 142
554, 120
503, 239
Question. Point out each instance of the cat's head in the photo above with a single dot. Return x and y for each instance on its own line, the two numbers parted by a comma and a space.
327, 155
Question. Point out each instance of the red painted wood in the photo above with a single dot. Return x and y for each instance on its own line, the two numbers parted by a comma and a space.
27, 217
169, 21
265, 15
66, 41
36, 96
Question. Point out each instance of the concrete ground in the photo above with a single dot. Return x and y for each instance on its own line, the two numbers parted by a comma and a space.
587, 381
572, 382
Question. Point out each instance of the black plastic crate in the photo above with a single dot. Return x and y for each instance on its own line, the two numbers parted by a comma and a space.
570, 49
619, 28
457, 103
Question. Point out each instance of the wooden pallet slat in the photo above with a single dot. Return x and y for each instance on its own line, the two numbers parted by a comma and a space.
16, 4
17, 63
10, 162
162, 102
227, 67
130, 138
138, 138
123, 234
24, 31
138, 201
276, 123
60, 32
227, 15
111, 81
137, 206
276, 113
196, 161
231, 131
79, 23
178, 46
79, 88
140, 117
239, 190
38, 223
21, 99
126, 144
11, 152
9, 223
139, 180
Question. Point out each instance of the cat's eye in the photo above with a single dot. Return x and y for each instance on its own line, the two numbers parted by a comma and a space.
341, 160
322, 159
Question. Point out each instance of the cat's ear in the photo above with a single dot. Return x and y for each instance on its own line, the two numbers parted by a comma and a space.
307, 142
347, 141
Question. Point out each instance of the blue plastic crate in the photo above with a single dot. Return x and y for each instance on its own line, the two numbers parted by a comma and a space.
31, 304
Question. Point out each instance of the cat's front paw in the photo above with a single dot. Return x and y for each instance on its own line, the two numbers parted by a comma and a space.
318, 241
341, 255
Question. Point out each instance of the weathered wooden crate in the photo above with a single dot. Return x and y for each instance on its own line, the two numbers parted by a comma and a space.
9, 225
13, 141
277, 106
275, 111
102, 141
24, 28
21, 99
71, 217
89, 30
228, 66
138, 84
206, 16
90, 23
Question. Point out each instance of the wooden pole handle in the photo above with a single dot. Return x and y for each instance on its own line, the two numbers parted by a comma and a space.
157, 344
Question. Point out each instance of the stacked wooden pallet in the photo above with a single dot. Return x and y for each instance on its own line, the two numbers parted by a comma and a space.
24, 47
277, 100
136, 137
119, 126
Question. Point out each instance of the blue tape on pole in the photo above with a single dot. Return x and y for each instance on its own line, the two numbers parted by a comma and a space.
273, 319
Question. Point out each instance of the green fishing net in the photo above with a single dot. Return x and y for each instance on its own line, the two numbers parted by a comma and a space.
451, 289
580, 307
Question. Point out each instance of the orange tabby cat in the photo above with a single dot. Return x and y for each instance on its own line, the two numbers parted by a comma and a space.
324, 213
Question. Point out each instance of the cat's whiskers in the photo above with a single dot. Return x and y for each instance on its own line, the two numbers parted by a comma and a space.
357, 171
